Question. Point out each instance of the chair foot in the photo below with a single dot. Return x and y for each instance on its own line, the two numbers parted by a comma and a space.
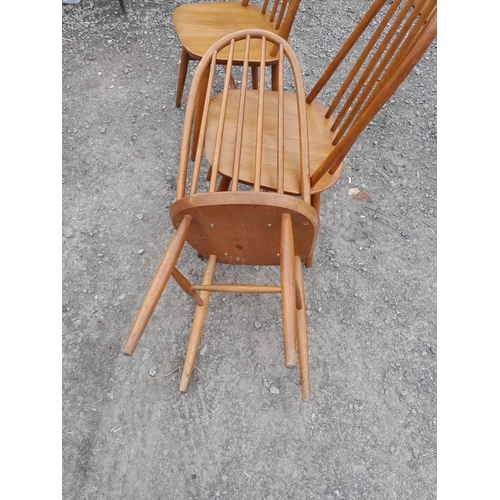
198, 321
157, 286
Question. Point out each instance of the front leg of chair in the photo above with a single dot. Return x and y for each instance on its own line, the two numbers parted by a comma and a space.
288, 298
198, 321
183, 67
157, 286
303, 347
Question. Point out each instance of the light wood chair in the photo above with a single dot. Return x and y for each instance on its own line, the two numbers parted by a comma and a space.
383, 40
241, 227
200, 25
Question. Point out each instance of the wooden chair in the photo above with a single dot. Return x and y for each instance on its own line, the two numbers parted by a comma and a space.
241, 227
200, 25
387, 34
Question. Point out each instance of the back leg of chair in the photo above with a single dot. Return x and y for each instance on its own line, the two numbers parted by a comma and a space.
224, 183
157, 286
274, 77
232, 82
316, 203
303, 346
198, 321
183, 67
255, 77
288, 297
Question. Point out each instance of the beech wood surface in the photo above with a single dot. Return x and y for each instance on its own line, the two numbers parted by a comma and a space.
319, 134
302, 341
391, 29
157, 286
201, 24
288, 302
243, 228
197, 326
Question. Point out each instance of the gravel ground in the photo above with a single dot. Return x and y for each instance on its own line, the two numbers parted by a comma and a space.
241, 431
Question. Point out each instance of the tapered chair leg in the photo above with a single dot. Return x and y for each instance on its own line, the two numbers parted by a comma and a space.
288, 297
157, 286
198, 321
303, 346
274, 77
232, 82
224, 183
200, 103
316, 203
255, 77
183, 67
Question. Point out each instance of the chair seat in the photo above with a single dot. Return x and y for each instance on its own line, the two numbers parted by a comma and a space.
200, 25
243, 228
320, 139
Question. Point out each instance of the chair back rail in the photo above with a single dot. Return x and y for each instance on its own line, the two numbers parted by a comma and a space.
282, 14
393, 29
383, 86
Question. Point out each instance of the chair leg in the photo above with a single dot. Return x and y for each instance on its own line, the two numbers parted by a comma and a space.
198, 114
255, 77
157, 286
274, 77
198, 320
288, 298
122, 6
316, 203
232, 82
224, 183
183, 67
305, 379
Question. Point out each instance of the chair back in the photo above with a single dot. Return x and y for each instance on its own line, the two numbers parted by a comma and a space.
203, 88
282, 14
394, 34
245, 215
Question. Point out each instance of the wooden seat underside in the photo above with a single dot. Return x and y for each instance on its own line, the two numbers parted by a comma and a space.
243, 228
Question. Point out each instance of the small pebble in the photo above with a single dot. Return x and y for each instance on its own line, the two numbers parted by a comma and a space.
103, 130
257, 324
152, 372
274, 390
141, 251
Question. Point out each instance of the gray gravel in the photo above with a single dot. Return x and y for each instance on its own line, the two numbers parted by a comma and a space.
242, 431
